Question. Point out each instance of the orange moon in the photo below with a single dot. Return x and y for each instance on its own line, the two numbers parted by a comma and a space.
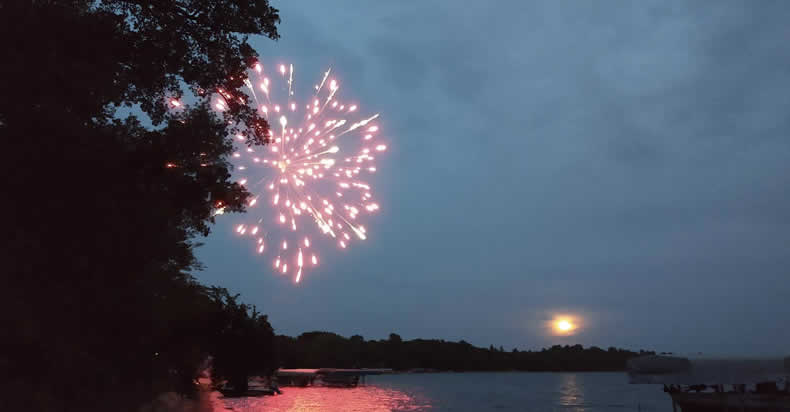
564, 325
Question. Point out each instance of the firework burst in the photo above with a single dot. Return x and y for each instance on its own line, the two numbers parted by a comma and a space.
310, 179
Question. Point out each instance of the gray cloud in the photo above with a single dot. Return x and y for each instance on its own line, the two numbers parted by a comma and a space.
624, 161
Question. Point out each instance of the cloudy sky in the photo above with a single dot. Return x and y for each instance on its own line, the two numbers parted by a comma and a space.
626, 163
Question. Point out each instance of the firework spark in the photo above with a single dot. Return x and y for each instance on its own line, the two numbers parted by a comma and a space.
309, 180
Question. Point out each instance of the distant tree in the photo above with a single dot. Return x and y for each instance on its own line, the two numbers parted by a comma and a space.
395, 338
325, 349
357, 343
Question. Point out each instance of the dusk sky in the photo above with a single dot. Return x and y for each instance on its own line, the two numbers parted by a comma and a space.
626, 163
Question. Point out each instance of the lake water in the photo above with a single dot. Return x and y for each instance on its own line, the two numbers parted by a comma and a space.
540, 392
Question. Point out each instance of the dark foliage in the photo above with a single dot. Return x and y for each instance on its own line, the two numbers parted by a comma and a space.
102, 215
325, 349
80, 58
244, 344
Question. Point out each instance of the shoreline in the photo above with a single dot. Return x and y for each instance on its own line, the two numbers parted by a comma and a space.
207, 400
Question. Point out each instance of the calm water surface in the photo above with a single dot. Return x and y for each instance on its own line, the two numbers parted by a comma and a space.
543, 392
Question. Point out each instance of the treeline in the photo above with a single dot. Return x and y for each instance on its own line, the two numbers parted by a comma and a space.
326, 349
102, 214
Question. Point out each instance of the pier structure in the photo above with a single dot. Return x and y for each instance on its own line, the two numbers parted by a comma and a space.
325, 376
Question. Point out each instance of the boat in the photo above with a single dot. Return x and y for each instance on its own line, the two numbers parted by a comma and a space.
717, 384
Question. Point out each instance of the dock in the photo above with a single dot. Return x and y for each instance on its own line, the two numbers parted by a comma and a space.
325, 376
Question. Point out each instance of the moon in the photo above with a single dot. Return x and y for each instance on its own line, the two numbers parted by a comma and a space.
564, 325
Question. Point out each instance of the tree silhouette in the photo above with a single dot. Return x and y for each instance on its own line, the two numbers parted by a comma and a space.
243, 344
326, 349
105, 213
86, 57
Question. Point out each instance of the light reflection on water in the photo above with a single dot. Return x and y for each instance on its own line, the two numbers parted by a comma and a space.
310, 399
571, 393
470, 392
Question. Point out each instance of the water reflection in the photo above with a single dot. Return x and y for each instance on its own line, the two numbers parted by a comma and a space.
362, 398
571, 392
469, 392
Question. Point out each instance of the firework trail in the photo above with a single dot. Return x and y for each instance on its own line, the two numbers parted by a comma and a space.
309, 179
